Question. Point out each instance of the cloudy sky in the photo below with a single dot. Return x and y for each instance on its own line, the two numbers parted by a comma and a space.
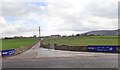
65, 17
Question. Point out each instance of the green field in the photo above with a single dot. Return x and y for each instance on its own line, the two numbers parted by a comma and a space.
83, 40
16, 43
73, 41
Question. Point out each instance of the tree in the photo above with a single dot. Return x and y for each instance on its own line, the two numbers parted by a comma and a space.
77, 34
34, 36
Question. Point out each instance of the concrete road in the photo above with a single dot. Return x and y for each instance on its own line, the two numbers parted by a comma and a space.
38, 57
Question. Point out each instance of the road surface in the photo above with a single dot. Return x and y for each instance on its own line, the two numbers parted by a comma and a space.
38, 57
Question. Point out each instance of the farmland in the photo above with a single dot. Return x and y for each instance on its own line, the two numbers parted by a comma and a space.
16, 43
72, 41
83, 40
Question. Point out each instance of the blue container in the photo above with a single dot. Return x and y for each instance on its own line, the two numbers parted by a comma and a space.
111, 49
7, 52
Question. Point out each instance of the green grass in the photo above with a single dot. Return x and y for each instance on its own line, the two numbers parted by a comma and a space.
83, 40
16, 43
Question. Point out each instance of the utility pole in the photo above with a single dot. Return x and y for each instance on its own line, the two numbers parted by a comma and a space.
39, 31
39, 37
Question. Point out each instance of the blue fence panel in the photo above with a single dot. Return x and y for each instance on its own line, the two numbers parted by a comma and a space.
111, 49
7, 52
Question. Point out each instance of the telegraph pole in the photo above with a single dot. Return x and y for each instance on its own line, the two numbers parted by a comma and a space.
39, 37
39, 31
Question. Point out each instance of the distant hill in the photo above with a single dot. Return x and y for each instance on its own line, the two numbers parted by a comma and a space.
103, 32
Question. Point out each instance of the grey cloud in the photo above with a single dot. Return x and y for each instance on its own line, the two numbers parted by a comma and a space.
19, 9
103, 9
21, 0
65, 16
18, 31
79, 21
12, 9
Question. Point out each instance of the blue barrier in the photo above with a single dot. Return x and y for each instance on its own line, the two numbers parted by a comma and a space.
7, 52
111, 49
